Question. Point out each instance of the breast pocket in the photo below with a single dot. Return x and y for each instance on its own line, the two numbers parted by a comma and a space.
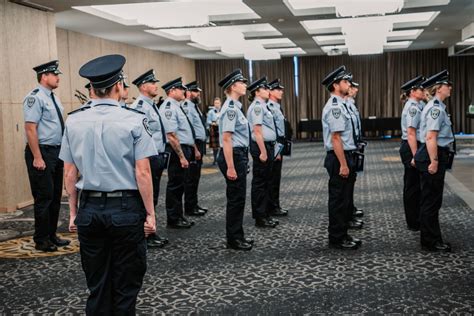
48, 113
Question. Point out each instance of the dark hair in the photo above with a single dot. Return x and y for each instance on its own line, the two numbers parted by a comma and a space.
403, 97
39, 76
252, 95
331, 87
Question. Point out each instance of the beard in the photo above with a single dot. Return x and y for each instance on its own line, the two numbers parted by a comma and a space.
196, 100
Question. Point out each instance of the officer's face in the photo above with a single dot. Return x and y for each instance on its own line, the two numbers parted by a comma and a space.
263, 93
51, 80
445, 90
276, 93
195, 95
240, 87
217, 104
343, 87
177, 94
151, 88
125, 93
418, 93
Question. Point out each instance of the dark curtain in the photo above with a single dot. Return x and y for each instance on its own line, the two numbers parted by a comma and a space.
379, 76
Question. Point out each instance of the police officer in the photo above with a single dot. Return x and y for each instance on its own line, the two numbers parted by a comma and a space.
105, 149
351, 105
191, 184
213, 127
410, 126
44, 127
262, 146
339, 142
148, 89
181, 135
124, 96
234, 133
276, 94
433, 158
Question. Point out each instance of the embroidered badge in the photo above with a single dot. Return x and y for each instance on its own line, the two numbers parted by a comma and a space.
145, 125
168, 114
231, 114
435, 113
30, 101
412, 111
336, 113
257, 111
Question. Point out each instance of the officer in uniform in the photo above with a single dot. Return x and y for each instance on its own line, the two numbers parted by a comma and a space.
339, 142
124, 96
276, 94
191, 184
234, 135
148, 89
351, 105
410, 126
262, 144
212, 126
433, 158
181, 135
105, 150
44, 127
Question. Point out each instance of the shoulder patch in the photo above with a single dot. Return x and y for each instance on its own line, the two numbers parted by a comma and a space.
79, 110
336, 113
435, 113
334, 101
133, 110
257, 110
168, 114
35, 91
30, 101
140, 102
412, 111
88, 102
146, 126
231, 114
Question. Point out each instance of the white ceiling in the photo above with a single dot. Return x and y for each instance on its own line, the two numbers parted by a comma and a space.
286, 27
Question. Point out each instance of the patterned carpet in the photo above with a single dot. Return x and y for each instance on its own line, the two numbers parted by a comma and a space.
290, 270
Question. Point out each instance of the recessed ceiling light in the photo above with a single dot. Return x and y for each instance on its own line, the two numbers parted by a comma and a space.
436, 28
442, 42
281, 20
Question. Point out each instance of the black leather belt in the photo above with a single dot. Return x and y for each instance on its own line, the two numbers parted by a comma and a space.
99, 194
271, 143
50, 146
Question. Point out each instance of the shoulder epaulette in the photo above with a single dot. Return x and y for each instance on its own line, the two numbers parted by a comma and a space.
133, 110
140, 102
231, 102
334, 101
35, 91
436, 102
257, 102
413, 103
79, 110
168, 104
185, 103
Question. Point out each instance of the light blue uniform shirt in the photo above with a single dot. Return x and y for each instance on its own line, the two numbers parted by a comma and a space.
258, 114
104, 142
336, 118
175, 121
212, 116
354, 111
411, 117
146, 105
194, 114
275, 108
38, 107
435, 118
232, 119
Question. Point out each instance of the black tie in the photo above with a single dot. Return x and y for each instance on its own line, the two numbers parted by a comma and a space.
190, 125
352, 123
163, 133
59, 113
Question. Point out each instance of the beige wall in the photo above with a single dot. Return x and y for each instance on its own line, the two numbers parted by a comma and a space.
74, 49
28, 38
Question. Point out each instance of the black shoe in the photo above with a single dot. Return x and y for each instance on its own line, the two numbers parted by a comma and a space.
187, 221
248, 241
164, 240
46, 246
196, 212
180, 223
154, 243
277, 222
265, 222
344, 245
357, 241
205, 210
279, 212
358, 213
59, 242
355, 225
438, 247
238, 245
